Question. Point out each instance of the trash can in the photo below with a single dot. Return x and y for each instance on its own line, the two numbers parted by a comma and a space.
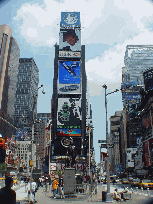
104, 196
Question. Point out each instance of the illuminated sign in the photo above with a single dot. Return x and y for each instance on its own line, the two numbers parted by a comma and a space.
69, 111
70, 40
68, 132
69, 54
70, 19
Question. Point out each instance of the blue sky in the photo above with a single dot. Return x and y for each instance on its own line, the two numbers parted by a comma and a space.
107, 27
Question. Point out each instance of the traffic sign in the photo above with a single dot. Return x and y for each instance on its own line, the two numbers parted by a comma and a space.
101, 141
103, 145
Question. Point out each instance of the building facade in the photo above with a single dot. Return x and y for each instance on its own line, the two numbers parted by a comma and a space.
27, 92
9, 62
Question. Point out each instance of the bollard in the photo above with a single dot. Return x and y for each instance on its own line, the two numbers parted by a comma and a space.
137, 190
142, 190
148, 191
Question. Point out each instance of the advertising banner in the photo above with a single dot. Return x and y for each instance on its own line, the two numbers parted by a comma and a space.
69, 79
70, 40
69, 111
70, 20
146, 148
69, 54
68, 132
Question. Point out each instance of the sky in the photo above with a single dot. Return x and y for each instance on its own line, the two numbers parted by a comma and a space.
107, 27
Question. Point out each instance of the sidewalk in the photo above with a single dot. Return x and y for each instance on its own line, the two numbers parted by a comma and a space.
135, 198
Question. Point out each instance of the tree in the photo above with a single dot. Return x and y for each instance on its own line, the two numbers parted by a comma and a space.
3, 168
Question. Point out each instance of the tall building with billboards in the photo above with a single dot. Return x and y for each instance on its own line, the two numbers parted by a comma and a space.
9, 62
69, 93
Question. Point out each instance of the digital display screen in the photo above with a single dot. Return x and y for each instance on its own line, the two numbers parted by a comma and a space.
68, 132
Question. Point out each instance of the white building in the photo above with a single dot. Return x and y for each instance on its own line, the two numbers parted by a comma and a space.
23, 152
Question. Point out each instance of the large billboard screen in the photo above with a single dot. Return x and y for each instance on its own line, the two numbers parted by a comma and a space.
69, 111
68, 132
70, 40
69, 79
70, 19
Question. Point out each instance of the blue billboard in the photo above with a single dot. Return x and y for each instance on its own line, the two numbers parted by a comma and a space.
70, 19
69, 72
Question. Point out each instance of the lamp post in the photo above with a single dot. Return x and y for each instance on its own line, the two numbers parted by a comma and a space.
33, 162
107, 141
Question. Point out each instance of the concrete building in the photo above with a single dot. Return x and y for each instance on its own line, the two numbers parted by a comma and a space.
23, 153
27, 92
43, 135
9, 62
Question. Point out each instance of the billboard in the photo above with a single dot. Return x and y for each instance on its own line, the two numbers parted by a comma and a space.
70, 40
69, 79
70, 20
69, 111
69, 54
68, 132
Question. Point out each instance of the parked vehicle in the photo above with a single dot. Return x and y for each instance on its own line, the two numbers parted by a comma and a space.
135, 182
146, 183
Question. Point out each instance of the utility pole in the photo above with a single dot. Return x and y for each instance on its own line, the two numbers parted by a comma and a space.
107, 142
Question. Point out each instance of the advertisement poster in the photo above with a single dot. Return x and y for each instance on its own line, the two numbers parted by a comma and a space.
70, 40
69, 112
70, 19
70, 54
146, 147
69, 79
68, 132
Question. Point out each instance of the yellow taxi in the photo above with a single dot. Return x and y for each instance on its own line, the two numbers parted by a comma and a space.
146, 183
135, 182
2, 178
125, 181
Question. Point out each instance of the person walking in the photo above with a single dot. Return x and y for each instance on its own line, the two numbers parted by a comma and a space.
8, 195
33, 189
55, 184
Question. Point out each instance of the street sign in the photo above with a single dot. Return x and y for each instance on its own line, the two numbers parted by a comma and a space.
101, 141
103, 145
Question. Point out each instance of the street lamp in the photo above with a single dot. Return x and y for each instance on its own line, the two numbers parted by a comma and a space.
107, 141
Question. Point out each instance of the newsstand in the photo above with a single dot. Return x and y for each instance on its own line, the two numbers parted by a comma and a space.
104, 196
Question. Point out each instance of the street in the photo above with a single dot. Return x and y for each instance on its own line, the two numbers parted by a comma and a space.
46, 197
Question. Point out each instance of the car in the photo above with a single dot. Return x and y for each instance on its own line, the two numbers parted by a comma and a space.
2, 178
135, 182
15, 180
146, 183
130, 178
125, 181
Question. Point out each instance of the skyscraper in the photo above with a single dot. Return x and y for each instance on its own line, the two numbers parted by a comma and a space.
9, 61
27, 92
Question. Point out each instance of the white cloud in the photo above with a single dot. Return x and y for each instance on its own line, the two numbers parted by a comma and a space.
116, 23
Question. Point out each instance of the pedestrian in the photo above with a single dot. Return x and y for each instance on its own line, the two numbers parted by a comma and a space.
33, 189
61, 188
55, 184
8, 195
116, 195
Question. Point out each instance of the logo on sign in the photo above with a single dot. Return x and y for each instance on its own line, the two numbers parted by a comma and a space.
69, 88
